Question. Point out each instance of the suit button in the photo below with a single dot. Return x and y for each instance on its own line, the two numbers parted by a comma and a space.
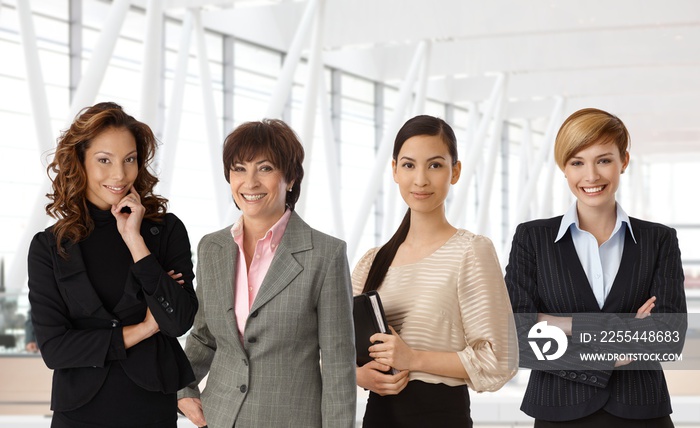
582, 376
562, 373
160, 299
593, 379
254, 314
165, 304
115, 323
252, 340
243, 388
154, 231
572, 375
169, 310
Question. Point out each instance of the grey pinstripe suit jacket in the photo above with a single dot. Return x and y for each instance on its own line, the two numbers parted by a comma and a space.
547, 277
302, 310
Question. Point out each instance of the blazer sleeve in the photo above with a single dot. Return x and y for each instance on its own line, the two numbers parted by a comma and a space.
173, 305
63, 346
522, 284
491, 355
337, 342
670, 310
201, 344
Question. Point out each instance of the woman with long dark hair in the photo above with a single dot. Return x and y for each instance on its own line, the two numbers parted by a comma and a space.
443, 293
110, 283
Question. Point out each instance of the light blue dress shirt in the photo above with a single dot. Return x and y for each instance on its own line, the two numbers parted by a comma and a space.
599, 263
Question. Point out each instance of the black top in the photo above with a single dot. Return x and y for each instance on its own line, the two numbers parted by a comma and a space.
107, 258
80, 306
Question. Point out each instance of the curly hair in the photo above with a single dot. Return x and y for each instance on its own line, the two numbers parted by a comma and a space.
69, 183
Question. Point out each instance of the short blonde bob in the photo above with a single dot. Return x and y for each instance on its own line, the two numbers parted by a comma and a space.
585, 128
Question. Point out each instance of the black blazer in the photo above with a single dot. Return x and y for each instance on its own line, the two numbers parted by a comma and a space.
547, 277
80, 339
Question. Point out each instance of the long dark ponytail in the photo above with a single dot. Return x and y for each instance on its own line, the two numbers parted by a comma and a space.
419, 125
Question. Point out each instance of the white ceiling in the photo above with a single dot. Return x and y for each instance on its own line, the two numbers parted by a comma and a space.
637, 59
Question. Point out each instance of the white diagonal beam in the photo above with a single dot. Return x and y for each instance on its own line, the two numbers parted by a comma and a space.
468, 149
171, 134
541, 158
332, 160
92, 78
393, 213
311, 94
17, 273
469, 166
482, 218
35, 78
195, 4
151, 73
222, 192
384, 151
284, 83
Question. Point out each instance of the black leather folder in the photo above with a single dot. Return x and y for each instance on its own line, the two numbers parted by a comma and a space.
369, 317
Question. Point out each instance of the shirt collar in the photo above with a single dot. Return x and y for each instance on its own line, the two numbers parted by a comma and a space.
274, 234
571, 218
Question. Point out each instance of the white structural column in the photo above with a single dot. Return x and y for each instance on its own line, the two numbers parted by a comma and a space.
394, 205
171, 134
422, 84
332, 160
482, 222
638, 179
384, 151
546, 209
17, 273
458, 201
222, 192
151, 72
456, 211
101, 53
284, 84
540, 160
35, 78
525, 159
311, 94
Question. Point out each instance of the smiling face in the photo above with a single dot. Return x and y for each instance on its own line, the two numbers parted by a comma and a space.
259, 189
111, 167
424, 172
593, 175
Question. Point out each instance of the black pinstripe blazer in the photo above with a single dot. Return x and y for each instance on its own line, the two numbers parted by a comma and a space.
547, 277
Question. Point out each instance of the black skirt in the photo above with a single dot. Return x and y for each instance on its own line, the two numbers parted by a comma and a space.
603, 419
121, 403
420, 405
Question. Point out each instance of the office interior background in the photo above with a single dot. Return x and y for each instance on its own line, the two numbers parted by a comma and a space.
346, 74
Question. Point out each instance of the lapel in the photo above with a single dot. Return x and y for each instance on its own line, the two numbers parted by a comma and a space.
225, 267
631, 254
579, 281
285, 267
72, 275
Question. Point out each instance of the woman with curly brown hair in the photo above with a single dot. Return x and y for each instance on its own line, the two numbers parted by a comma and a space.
107, 303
